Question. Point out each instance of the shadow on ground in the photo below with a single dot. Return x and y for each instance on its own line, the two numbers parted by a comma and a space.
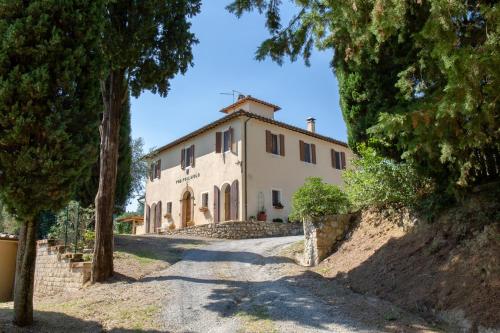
54, 322
139, 256
286, 300
156, 247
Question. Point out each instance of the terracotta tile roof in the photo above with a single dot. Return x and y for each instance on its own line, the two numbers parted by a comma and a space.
130, 219
249, 98
237, 114
8, 237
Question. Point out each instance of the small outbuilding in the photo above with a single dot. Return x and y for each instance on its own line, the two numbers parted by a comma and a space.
137, 222
8, 253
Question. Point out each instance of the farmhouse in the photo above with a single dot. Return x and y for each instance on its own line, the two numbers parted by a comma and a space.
243, 166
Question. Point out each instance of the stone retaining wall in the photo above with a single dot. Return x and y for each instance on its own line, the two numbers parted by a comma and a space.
241, 230
57, 270
322, 234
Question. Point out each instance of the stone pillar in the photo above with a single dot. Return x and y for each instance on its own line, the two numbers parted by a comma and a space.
322, 234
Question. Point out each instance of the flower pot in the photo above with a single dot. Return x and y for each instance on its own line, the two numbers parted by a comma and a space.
262, 216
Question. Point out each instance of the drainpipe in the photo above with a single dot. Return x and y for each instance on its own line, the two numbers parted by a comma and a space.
245, 162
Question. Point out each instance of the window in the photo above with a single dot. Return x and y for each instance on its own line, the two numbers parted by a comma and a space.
155, 170
187, 157
307, 152
169, 207
275, 143
204, 200
224, 141
276, 196
227, 141
338, 159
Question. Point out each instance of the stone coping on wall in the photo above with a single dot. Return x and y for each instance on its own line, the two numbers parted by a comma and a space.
241, 230
9, 237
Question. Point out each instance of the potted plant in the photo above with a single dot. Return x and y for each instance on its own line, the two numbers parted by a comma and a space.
279, 205
262, 216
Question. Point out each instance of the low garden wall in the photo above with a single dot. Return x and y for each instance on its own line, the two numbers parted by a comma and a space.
241, 230
322, 235
58, 270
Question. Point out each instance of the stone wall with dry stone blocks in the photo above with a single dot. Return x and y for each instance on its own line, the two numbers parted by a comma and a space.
241, 230
58, 270
322, 235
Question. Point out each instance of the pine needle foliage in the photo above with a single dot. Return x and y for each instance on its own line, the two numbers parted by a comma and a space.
421, 76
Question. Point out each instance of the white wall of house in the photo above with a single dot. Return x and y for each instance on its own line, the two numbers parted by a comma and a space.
287, 173
265, 171
210, 169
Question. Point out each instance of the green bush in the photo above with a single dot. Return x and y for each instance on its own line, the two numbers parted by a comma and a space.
316, 198
72, 225
123, 228
8, 223
376, 180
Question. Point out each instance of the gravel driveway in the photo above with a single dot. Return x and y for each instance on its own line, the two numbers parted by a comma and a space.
246, 286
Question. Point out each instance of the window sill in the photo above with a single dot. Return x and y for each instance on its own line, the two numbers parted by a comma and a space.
278, 207
203, 209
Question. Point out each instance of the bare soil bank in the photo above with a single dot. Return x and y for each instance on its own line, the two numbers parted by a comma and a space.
449, 269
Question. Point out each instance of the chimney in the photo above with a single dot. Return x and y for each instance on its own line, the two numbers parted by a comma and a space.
311, 124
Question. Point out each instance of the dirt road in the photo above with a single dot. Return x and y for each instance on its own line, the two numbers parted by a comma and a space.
240, 286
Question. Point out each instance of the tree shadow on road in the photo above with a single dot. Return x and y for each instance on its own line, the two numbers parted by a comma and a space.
283, 300
55, 322
202, 255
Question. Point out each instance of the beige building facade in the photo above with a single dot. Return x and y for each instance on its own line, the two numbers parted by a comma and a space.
243, 166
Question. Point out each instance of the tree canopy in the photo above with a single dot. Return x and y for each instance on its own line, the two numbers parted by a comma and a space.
49, 67
89, 185
145, 44
421, 76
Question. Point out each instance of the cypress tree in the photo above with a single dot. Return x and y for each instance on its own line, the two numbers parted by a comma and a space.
48, 100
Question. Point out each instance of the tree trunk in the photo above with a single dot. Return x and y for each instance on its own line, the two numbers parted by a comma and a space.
113, 91
25, 274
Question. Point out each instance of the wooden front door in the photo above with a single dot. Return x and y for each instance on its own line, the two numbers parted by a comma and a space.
186, 206
227, 203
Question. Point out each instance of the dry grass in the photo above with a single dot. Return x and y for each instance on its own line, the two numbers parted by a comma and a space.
257, 320
127, 303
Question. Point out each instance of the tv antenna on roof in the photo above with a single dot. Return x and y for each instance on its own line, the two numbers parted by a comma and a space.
233, 93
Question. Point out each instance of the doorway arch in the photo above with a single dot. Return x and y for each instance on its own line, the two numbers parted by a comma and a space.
187, 210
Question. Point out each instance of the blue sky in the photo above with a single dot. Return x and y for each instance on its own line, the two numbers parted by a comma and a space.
223, 61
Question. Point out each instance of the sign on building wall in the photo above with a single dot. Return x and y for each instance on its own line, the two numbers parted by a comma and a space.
187, 178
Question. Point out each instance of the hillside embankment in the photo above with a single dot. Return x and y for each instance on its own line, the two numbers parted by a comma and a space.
447, 270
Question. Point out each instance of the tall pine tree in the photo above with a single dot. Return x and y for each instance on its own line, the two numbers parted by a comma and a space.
48, 100
420, 76
87, 191
145, 43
